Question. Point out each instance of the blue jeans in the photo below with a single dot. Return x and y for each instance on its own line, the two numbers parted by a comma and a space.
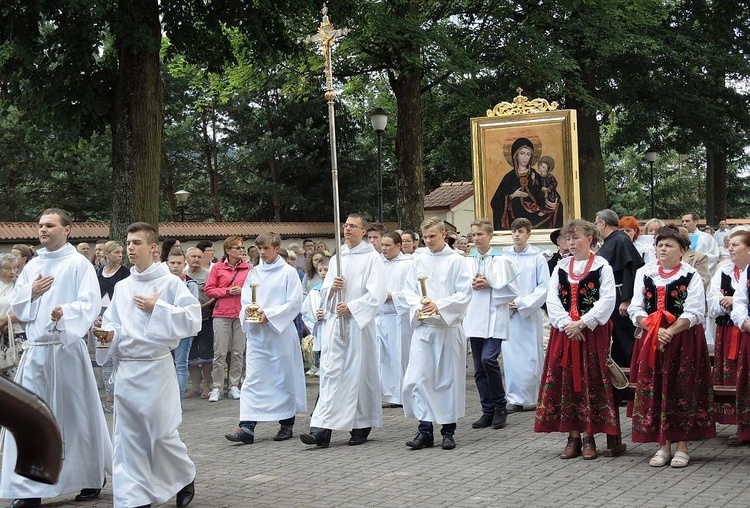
181, 354
487, 374
426, 428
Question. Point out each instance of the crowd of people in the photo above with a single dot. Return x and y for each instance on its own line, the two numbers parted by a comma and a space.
391, 316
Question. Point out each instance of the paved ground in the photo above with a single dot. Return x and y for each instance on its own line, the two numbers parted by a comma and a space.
507, 467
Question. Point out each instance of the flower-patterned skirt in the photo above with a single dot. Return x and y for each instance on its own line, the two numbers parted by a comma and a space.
674, 400
724, 371
728, 372
560, 407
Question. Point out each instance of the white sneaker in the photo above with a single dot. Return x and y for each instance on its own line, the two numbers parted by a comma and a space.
215, 395
312, 371
234, 393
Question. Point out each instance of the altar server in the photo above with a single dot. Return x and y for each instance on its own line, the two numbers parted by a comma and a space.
394, 319
274, 387
435, 380
150, 312
56, 299
523, 354
349, 384
493, 287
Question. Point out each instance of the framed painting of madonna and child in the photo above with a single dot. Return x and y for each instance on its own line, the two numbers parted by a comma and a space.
525, 161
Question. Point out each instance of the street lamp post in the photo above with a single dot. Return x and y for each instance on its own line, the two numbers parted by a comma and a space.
379, 119
182, 197
651, 158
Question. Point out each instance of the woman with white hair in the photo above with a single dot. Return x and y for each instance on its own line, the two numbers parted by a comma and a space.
9, 325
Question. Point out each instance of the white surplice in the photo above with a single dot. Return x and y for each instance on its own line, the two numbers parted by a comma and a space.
57, 368
487, 316
523, 354
435, 380
150, 460
394, 327
349, 381
274, 386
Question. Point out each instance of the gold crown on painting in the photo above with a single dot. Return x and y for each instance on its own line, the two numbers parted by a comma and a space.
521, 105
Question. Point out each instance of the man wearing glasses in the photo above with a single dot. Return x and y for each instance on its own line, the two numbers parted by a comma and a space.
224, 284
350, 397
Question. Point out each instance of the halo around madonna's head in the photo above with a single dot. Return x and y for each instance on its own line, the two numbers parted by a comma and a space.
514, 136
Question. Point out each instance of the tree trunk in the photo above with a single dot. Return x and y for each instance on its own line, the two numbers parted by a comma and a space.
590, 162
137, 120
406, 84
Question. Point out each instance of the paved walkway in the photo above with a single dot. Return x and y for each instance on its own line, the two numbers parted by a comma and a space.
507, 467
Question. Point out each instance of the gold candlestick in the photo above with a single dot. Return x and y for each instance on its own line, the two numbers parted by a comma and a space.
101, 338
253, 310
425, 300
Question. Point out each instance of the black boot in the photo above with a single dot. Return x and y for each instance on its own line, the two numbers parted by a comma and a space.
186, 495
319, 437
29, 502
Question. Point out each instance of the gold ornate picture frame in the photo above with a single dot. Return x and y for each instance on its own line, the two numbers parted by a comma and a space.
525, 162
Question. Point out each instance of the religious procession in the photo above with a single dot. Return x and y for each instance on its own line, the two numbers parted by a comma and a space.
392, 315
300, 361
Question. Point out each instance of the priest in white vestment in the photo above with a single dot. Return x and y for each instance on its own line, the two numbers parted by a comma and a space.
57, 299
493, 287
523, 354
349, 381
274, 386
435, 380
394, 319
150, 312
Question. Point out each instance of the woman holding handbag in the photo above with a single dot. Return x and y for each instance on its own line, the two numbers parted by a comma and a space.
673, 399
576, 391
10, 329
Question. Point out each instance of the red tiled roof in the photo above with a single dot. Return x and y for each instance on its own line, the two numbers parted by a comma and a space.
13, 232
448, 195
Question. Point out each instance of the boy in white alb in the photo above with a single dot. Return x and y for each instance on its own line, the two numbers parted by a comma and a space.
435, 380
523, 354
150, 312
274, 386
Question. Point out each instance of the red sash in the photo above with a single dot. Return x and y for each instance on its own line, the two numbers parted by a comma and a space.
575, 316
653, 322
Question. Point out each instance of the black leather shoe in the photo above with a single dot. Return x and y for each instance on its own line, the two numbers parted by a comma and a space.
240, 436
421, 441
357, 439
314, 438
499, 420
484, 422
512, 408
31, 502
90, 494
448, 442
186, 495
285, 432
144, 506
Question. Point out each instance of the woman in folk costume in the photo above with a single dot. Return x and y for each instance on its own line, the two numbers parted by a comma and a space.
576, 392
739, 345
730, 353
673, 399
